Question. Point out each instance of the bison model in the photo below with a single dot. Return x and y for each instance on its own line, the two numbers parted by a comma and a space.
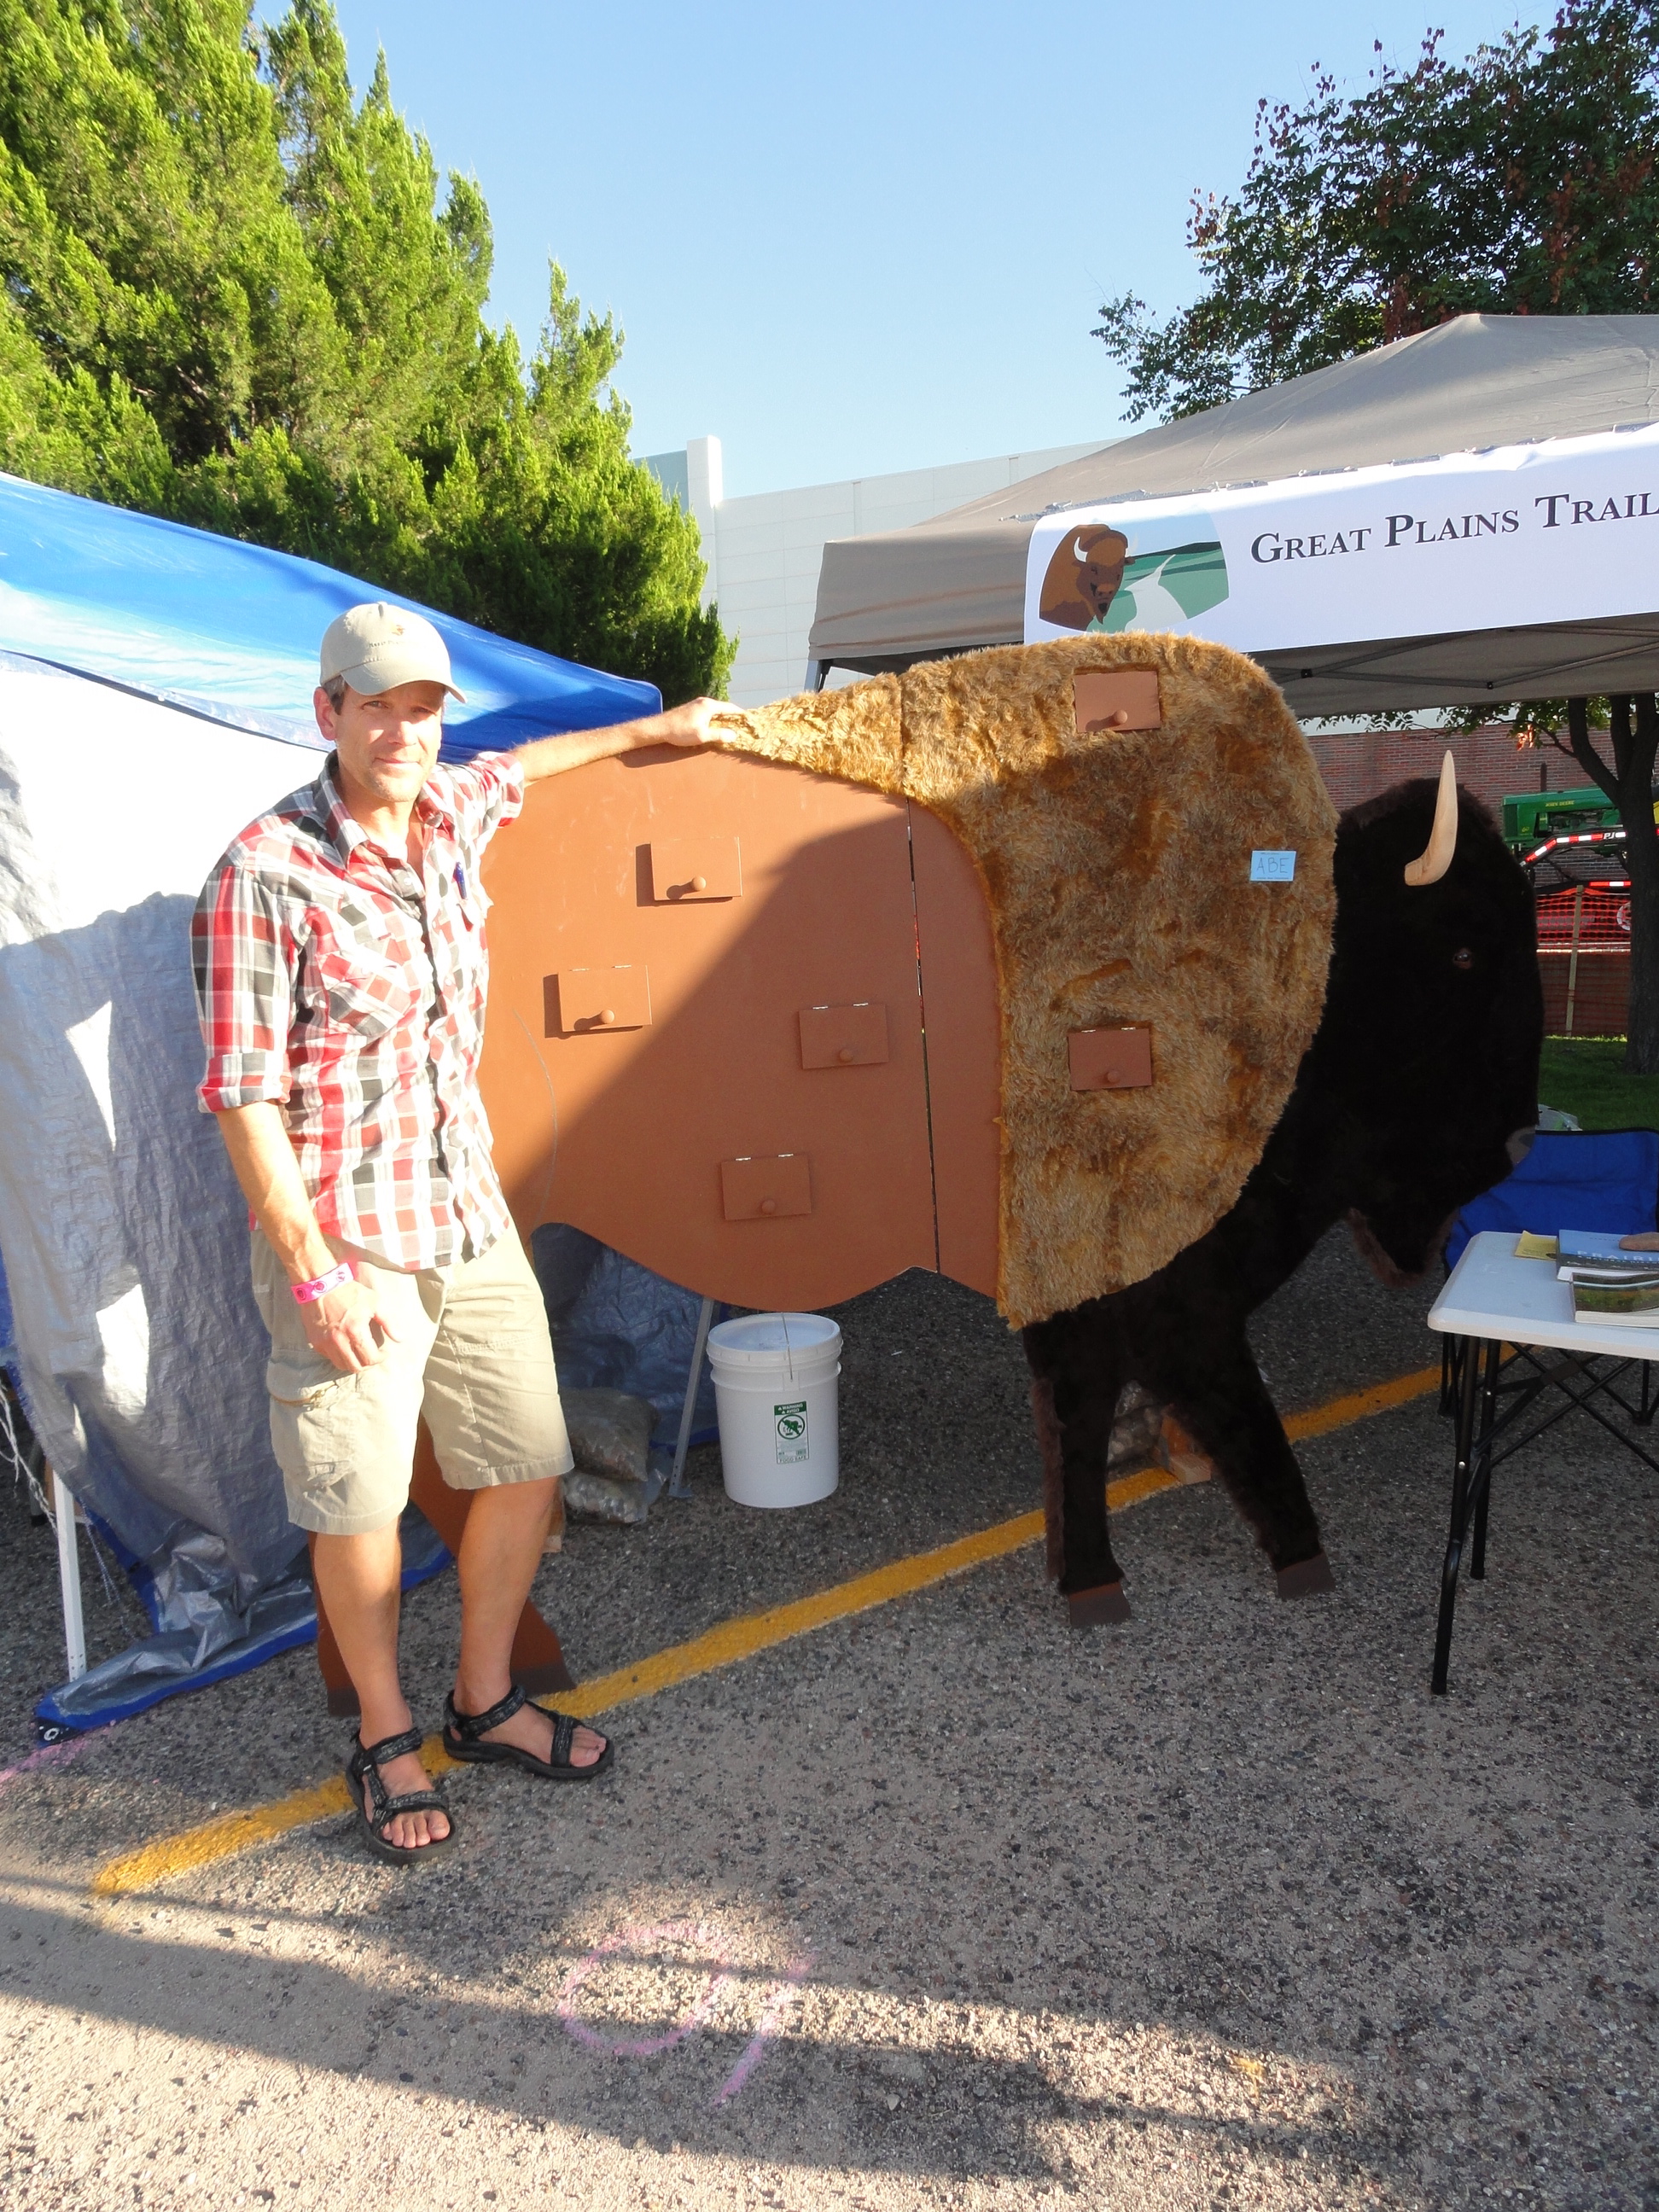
1418, 1092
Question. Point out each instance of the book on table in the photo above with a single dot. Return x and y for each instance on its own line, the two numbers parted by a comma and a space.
1595, 1248
1624, 1301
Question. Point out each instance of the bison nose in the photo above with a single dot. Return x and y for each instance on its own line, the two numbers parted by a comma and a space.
1518, 1144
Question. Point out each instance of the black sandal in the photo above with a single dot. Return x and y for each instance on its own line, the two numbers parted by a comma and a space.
363, 1780
462, 1732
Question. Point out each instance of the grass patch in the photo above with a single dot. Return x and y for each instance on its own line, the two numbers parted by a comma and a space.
1586, 1076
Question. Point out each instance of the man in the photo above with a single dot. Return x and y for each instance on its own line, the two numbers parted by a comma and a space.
341, 974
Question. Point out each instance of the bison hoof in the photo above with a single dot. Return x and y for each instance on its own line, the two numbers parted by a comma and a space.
1096, 1607
1307, 1578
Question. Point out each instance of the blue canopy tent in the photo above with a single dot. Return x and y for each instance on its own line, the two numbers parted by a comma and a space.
155, 687
214, 627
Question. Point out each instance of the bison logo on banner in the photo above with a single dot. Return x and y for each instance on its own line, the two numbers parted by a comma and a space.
1147, 576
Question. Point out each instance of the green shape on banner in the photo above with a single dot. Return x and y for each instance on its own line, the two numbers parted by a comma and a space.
1159, 589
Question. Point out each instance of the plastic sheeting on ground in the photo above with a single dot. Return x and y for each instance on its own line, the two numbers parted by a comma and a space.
223, 1643
139, 1350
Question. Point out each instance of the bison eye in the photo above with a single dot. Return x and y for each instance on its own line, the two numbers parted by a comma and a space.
1463, 958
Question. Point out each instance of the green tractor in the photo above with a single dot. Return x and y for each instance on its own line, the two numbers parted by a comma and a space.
1532, 816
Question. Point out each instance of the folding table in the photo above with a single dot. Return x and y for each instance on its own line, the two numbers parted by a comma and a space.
1491, 1301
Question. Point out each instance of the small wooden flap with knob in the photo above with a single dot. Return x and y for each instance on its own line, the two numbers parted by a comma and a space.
580, 1001
692, 868
756, 1187
1116, 699
1111, 1059
844, 1037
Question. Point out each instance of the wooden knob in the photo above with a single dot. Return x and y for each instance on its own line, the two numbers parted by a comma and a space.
608, 1016
847, 1052
699, 883
1118, 719
769, 1206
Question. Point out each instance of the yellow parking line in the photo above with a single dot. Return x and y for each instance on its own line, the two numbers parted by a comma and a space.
1360, 1405
717, 1647
756, 1632
222, 1839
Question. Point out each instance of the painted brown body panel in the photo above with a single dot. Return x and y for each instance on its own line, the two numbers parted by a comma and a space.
753, 1120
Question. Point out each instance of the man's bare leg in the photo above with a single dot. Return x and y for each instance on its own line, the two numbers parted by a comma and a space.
359, 1579
500, 1550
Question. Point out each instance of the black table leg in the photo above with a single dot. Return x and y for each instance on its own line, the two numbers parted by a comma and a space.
1460, 1512
1481, 1473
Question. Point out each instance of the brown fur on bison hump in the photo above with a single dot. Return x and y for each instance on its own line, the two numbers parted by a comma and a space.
1116, 869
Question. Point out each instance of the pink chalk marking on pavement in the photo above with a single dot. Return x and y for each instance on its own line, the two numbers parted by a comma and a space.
784, 1994
642, 1939
50, 1754
719, 1974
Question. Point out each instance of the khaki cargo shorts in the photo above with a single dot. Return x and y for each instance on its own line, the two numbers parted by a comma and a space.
471, 1353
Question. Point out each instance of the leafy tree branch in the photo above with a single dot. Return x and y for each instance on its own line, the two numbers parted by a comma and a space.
1520, 181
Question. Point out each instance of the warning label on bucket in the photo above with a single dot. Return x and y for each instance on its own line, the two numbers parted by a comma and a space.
790, 1423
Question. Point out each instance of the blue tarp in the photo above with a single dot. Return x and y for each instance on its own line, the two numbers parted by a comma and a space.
230, 630
125, 1240
617, 1325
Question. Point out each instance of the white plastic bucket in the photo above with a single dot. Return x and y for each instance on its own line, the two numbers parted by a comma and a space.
775, 1389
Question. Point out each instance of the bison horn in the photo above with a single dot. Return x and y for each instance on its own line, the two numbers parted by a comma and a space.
1437, 855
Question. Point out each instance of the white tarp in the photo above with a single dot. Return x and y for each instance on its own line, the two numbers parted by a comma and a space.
1559, 531
124, 1237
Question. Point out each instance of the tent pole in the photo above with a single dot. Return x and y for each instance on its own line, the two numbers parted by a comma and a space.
1572, 964
677, 1482
69, 1577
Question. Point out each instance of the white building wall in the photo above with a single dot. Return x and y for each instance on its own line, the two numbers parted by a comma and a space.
764, 551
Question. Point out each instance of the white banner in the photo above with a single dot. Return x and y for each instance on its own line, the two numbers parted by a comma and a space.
1563, 531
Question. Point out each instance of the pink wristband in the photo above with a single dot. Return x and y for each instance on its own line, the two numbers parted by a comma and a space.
320, 1285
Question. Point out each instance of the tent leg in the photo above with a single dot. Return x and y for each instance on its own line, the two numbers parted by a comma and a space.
69, 1577
678, 1485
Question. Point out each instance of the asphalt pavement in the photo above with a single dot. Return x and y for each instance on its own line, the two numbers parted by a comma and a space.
938, 1904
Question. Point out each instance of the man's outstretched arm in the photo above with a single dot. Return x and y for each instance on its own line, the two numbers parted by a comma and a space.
688, 725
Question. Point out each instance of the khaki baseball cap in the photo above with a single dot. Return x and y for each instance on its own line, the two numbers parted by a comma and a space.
375, 647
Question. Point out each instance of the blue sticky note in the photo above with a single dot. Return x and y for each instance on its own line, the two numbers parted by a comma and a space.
1272, 867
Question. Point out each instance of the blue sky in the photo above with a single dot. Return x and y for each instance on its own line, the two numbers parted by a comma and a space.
869, 237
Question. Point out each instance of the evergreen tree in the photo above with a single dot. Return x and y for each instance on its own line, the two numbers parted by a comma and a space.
231, 295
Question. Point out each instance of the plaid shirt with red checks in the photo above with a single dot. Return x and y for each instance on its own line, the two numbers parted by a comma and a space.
334, 980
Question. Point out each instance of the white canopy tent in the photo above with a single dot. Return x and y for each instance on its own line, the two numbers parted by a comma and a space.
1453, 430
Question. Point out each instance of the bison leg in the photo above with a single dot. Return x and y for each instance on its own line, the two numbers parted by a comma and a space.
1224, 1402
1074, 1395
